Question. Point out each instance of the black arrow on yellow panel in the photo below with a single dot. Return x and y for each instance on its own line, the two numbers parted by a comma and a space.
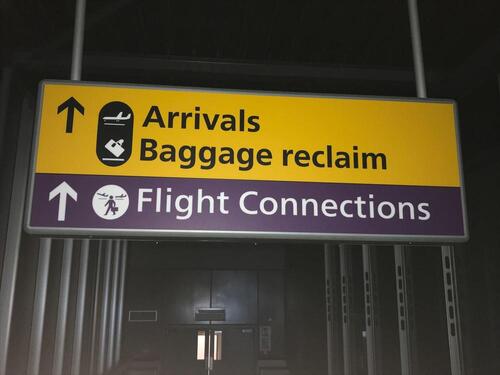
71, 104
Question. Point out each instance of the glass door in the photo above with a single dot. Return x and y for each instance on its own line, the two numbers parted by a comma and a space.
209, 350
233, 350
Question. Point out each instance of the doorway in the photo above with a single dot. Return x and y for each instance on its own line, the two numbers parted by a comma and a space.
211, 318
209, 350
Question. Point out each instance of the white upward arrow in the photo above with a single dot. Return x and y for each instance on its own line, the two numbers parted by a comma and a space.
63, 190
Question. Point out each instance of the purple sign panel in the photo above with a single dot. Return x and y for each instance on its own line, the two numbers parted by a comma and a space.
89, 205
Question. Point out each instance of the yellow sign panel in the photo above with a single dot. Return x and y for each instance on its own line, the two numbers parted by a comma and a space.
92, 129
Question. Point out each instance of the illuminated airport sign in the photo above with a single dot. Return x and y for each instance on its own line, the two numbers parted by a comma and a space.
163, 161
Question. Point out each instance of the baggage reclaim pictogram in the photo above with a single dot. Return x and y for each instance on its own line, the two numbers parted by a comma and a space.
114, 134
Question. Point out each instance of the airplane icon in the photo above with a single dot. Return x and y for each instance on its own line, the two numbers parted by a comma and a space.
119, 117
106, 196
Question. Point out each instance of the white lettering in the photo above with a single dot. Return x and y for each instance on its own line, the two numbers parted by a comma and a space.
187, 210
421, 209
327, 205
242, 202
202, 198
222, 198
274, 206
392, 210
142, 199
342, 208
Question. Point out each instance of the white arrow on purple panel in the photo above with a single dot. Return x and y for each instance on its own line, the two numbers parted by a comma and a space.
63, 190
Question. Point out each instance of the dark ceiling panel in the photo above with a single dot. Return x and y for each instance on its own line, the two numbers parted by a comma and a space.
452, 30
342, 32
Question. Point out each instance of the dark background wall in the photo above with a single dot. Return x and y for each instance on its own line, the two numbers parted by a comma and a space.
176, 278
288, 280
305, 309
479, 259
385, 311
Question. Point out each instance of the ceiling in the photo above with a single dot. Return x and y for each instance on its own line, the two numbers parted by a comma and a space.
341, 33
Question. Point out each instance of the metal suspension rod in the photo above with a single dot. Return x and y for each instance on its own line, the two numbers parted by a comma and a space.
346, 286
113, 303
119, 324
416, 41
95, 310
403, 304
76, 72
62, 312
370, 305
42, 277
452, 310
80, 308
329, 312
78, 36
101, 350
405, 328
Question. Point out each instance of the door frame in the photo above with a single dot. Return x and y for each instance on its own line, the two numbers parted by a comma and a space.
211, 327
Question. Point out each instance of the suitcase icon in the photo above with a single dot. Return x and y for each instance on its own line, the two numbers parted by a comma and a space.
115, 147
115, 129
